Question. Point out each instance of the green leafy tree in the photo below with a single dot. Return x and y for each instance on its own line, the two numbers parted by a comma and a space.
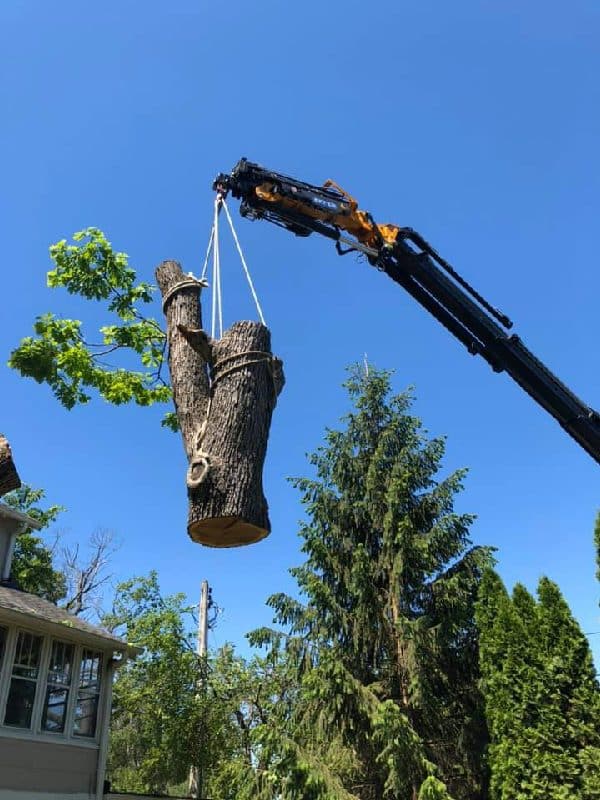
384, 644
542, 697
173, 709
33, 567
249, 699
155, 712
74, 366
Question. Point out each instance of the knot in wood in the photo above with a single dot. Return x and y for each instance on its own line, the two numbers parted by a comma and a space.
200, 458
195, 478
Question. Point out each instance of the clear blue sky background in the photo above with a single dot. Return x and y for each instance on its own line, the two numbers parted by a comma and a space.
477, 123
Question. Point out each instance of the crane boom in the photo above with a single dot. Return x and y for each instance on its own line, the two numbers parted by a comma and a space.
411, 262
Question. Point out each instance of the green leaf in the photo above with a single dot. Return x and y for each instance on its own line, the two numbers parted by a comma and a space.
75, 368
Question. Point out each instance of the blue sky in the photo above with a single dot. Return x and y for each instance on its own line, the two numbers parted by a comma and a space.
475, 123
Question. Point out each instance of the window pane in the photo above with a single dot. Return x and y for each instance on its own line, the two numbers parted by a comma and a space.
57, 689
21, 694
91, 668
61, 664
86, 712
20, 703
55, 710
27, 655
86, 708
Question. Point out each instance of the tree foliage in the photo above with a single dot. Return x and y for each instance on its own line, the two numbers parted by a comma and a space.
155, 715
33, 565
542, 697
254, 697
384, 645
173, 709
74, 366
597, 544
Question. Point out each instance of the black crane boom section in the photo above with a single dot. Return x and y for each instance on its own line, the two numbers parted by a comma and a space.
412, 263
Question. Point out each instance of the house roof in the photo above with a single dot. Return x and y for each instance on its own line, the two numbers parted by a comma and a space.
18, 516
39, 610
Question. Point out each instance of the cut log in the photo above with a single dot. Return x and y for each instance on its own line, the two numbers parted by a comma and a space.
9, 478
227, 506
225, 428
189, 374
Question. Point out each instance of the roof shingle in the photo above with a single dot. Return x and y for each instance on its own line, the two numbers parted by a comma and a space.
33, 606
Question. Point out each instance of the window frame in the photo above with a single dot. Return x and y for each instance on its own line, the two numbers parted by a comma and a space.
36, 731
87, 693
10, 676
68, 687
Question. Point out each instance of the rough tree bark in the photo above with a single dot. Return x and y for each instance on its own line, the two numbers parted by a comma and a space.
227, 503
189, 376
227, 428
9, 478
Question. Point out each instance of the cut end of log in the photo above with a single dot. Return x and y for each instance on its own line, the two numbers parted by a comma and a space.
226, 532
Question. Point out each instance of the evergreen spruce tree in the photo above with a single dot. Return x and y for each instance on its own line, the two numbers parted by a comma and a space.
542, 697
385, 643
597, 544
572, 680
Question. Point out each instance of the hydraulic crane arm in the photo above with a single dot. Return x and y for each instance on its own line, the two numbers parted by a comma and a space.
410, 261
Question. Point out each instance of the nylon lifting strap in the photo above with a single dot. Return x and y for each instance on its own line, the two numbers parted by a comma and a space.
214, 247
199, 466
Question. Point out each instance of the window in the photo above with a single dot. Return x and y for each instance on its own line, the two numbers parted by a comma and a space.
48, 691
88, 694
57, 687
23, 684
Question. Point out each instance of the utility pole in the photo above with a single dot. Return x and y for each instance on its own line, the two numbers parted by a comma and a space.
196, 778
203, 620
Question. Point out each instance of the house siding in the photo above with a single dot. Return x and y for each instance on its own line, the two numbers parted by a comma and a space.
31, 769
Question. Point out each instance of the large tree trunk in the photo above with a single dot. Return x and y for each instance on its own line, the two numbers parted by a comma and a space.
9, 478
227, 504
225, 429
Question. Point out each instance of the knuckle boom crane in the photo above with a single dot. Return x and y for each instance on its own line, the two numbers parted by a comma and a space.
410, 261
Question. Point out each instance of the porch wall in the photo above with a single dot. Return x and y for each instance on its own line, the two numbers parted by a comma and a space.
34, 770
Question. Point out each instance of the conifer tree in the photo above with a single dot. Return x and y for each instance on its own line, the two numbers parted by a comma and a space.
597, 544
385, 643
542, 697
